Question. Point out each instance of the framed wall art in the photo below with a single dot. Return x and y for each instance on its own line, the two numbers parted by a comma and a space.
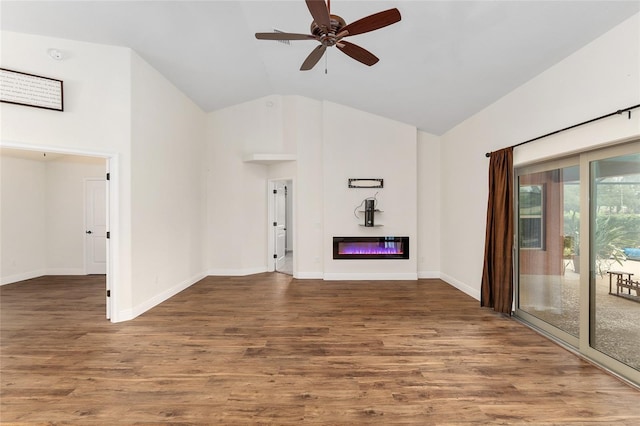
30, 90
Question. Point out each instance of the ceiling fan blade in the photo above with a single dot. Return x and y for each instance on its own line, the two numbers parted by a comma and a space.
373, 22
320, 12
313, 58
357, 52
284, 36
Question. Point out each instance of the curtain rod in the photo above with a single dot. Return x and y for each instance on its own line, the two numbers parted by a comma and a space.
620, 111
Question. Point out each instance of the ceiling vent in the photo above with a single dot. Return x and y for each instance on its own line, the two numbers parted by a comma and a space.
287, 42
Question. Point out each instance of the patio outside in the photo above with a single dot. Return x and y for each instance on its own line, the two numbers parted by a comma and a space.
617, 325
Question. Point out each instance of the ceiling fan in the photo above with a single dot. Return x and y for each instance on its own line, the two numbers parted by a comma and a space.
330, 30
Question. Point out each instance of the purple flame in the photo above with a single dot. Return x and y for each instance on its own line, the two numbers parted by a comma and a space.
370, 248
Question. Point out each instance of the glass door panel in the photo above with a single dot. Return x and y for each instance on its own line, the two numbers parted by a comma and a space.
548, 243
615, 258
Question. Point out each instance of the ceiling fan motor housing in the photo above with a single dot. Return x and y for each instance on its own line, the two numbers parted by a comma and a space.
328, 38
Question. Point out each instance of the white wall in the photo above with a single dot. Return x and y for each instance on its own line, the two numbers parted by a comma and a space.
22, 219
428, 205
361, 145
236, 214
602, 77
306, 121
118, 107
96, 120
43, 204
332, 143
65, 212
168, 135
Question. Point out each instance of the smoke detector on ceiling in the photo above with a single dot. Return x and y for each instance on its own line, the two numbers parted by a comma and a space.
55, 54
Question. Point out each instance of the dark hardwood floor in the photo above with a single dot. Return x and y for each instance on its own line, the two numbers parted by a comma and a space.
270, 349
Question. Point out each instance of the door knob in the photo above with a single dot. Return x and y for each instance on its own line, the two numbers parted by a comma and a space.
89, 232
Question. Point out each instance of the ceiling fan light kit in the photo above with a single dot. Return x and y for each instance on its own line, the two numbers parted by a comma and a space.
330, 30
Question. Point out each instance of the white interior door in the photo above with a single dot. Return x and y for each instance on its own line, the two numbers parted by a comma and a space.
280, 224
95, 227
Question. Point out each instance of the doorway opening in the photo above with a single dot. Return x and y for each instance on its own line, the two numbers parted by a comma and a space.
281, 220
60, 201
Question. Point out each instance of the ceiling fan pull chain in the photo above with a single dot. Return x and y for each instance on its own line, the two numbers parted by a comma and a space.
326, 61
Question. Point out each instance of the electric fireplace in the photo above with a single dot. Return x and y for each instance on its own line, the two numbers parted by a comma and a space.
371, 247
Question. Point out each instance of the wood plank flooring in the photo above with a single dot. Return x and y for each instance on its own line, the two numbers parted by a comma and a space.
269, 349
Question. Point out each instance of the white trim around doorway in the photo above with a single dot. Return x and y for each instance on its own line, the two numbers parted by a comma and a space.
113, 217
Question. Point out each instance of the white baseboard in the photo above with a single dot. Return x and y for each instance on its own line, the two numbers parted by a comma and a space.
308, 275
428, 274
22, 276
124, 315
129, 314
475, 293
236, 272
358, 276
40, 273
65, 271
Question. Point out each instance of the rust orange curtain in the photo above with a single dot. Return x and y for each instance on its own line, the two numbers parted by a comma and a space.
497, 274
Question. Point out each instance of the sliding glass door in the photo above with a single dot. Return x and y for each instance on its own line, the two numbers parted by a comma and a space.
615, 252
548, 242
578, 253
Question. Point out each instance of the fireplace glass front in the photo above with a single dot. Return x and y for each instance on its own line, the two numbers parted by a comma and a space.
371, 247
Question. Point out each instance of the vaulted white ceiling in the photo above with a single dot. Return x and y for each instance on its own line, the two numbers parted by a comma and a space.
443, 62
